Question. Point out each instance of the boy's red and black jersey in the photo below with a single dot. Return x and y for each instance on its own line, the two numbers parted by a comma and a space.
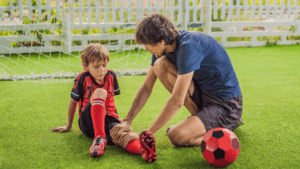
85, 85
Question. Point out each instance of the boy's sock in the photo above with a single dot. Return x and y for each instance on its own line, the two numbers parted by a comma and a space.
134, 147
98, 117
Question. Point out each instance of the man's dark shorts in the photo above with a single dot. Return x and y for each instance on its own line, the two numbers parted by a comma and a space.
86, 124
217, 112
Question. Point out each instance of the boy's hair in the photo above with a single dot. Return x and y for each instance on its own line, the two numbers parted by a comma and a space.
94, 52
154, 29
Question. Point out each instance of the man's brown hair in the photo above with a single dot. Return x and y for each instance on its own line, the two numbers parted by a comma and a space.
94, 52
155, 28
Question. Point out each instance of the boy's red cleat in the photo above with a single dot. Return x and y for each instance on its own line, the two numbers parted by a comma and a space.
148, 146
98, 146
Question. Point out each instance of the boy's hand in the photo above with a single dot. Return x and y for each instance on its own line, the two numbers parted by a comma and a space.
117, 130
61, 129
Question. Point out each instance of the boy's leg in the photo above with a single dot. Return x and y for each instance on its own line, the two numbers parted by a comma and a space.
143, 144
129, 140
98, 111
98, 117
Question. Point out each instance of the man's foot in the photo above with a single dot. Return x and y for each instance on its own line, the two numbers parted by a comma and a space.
167, 130
98, 146
241, 122
148, 146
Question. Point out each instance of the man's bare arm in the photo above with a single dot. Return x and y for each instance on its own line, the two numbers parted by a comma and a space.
138, 103
142, 96
174, 103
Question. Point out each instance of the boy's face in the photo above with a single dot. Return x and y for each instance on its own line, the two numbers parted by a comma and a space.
98, 70
158, 49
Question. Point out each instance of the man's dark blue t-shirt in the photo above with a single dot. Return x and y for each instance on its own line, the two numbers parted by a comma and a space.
201, 53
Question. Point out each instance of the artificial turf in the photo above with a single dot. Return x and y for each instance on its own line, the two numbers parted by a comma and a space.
270, 83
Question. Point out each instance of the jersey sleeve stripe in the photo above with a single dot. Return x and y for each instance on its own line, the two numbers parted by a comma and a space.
75, 94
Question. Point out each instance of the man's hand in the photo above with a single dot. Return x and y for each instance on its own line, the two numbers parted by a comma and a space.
125, 138
117, 130
61, 129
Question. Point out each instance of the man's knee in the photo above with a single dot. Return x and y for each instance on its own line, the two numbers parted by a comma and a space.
188, 132
100, 93
177, 137
160, 65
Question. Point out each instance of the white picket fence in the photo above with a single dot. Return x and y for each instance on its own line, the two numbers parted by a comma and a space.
268, 17
107, 14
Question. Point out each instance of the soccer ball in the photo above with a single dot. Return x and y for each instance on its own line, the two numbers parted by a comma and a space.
220, 147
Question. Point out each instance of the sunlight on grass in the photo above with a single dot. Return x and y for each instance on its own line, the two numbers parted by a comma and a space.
269, 79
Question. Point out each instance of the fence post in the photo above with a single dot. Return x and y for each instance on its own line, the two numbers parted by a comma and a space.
207, 22
141, 10
298, 28
184, 17
165, 8
66, 34
11, 3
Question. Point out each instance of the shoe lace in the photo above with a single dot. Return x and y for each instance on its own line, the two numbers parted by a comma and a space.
98, 140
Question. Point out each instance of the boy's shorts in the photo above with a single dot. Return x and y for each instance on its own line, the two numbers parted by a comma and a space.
86, 124
217, 112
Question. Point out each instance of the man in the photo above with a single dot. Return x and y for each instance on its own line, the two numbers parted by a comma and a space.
198, 73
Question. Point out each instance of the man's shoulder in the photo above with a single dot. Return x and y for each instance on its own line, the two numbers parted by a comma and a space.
187, 39
199, 42
195, 38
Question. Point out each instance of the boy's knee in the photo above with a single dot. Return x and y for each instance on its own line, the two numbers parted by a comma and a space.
100, 93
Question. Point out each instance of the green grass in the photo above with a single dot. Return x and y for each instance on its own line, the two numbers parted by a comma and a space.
269, 79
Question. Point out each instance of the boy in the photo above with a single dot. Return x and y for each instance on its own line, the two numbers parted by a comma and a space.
94, 89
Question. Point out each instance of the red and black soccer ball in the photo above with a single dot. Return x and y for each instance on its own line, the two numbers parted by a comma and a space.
220, 147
